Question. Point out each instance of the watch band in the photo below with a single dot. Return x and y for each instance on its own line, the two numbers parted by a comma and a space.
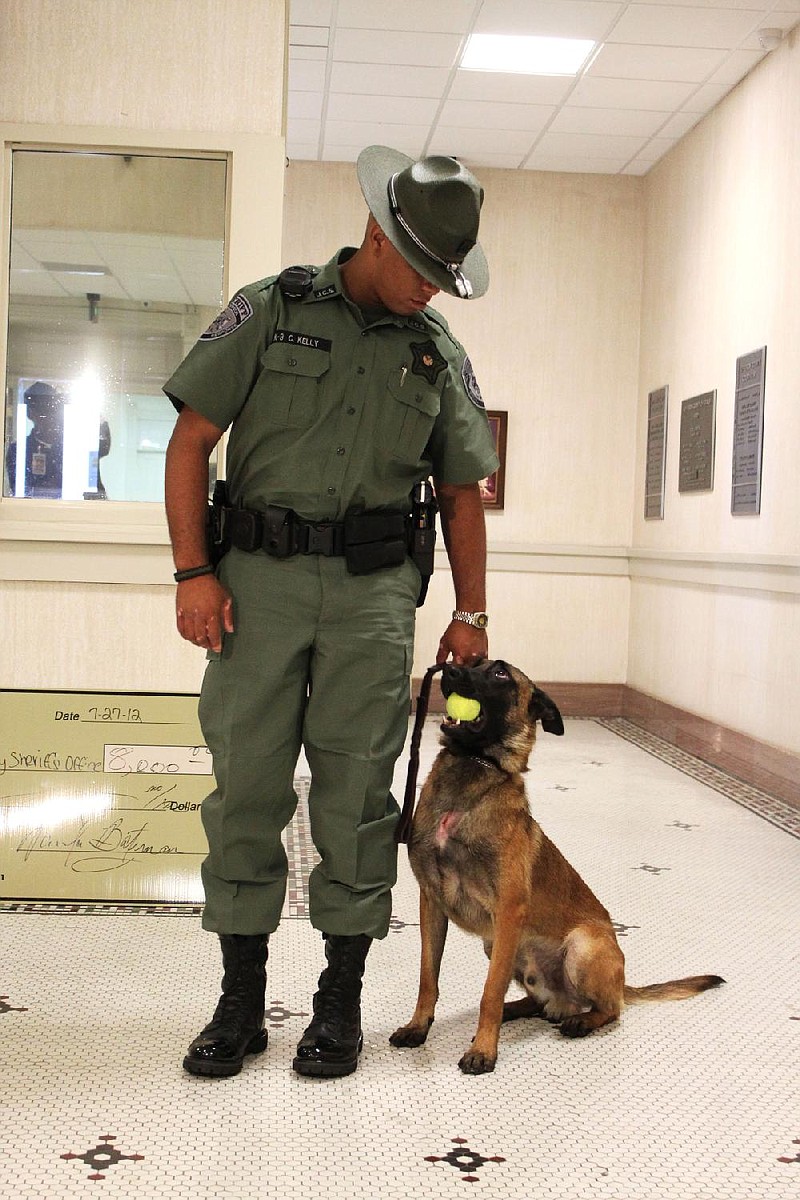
479, 619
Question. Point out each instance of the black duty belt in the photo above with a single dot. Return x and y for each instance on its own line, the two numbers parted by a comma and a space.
282, 533
367, 540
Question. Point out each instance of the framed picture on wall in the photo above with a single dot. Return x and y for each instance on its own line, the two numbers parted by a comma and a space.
494, 486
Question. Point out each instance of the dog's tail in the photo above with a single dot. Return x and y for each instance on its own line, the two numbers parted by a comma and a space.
675, 989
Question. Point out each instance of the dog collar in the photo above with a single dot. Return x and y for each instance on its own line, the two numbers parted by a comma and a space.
487, 762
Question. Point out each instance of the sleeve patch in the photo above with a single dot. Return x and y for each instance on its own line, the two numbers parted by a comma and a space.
471, 384
238, 311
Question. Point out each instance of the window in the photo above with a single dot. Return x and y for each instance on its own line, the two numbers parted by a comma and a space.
116, 268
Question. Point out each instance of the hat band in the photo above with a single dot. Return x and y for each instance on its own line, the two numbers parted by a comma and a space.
463, 285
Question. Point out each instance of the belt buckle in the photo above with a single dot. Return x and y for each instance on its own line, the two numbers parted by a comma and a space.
319, 539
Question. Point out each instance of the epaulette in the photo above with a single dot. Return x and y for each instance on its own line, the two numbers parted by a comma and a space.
437, 319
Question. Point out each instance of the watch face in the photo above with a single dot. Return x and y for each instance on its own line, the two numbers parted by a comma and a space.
481, 620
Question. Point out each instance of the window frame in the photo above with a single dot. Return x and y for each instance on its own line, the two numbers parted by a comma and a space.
127, 541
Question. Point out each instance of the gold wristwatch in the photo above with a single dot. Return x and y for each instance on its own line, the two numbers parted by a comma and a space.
479, 619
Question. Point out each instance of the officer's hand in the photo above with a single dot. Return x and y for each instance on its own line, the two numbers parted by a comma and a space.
204, 611
463, 643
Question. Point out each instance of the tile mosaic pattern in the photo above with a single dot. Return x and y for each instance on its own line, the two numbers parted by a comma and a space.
688, 1101
769, 807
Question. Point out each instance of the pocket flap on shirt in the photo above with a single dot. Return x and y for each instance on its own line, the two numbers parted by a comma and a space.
416, 394
290, 359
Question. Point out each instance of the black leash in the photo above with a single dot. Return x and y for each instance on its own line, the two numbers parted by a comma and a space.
403, 831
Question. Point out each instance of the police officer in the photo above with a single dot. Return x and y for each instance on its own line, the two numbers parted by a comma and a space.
342, 389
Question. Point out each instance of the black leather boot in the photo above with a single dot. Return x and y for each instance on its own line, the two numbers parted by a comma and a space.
237, 1027
332, 1043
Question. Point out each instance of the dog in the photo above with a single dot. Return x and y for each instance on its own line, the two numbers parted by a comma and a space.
482, 861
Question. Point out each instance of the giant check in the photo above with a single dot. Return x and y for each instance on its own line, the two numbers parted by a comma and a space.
100, 796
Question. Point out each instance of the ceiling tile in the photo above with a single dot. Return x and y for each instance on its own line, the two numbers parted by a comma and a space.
34, 283
445, 16
676, 25
736, 66
306, 75
360, 45
463, 143
386, 80
475, 114
682, 64
631, 93
308, 35
547, 18
762, 6
656, 148
572, 119
705, 97
680, 124
510, 89
311, 12
589, 145
575, 164
304, 105
490, 159
311, 53
304, 130
394, 110
408, 138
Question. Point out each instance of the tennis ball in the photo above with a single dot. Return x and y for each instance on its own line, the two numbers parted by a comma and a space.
460, 708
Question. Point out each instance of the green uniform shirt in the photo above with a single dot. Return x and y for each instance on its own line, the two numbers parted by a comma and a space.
331, 410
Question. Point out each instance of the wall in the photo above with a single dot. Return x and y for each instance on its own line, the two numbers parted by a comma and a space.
554, 342
152, 64
715, 599
207, 67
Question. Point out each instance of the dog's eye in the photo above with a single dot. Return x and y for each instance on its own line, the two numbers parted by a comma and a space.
501, 673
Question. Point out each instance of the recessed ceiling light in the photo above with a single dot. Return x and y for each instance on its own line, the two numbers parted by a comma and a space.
526, 55
66, 268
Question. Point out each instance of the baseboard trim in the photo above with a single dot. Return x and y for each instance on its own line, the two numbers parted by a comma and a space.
774, 771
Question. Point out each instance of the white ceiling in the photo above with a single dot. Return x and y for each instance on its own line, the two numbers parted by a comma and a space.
374, 71
363, 72
148, 268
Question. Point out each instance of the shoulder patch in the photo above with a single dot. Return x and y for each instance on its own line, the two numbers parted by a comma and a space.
238, 311
471, 384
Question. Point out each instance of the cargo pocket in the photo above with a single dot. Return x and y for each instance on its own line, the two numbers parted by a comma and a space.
289, 386
411, 410
376, 851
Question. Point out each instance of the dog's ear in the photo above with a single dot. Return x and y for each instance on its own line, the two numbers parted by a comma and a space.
543, 709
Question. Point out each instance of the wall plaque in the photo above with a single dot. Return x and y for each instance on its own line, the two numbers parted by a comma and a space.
748, 433
656, 461
698, 431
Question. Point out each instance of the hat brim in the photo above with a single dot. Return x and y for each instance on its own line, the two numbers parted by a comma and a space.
375, 167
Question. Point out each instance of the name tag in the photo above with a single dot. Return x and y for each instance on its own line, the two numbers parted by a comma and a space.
293, 338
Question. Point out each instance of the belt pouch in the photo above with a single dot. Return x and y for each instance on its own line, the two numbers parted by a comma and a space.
374, 540
244, 528
280, 532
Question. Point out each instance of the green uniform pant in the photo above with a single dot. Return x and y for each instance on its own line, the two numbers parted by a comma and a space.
320, 659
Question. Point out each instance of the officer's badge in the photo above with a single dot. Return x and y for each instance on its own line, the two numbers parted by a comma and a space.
428, 362
238, 311
471, 384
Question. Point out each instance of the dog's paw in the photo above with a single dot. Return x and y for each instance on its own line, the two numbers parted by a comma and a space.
410, 1035
574, 1027
515, 1010
475, 1063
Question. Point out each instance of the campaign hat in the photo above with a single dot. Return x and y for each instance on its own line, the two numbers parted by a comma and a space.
430, 211
43, 395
